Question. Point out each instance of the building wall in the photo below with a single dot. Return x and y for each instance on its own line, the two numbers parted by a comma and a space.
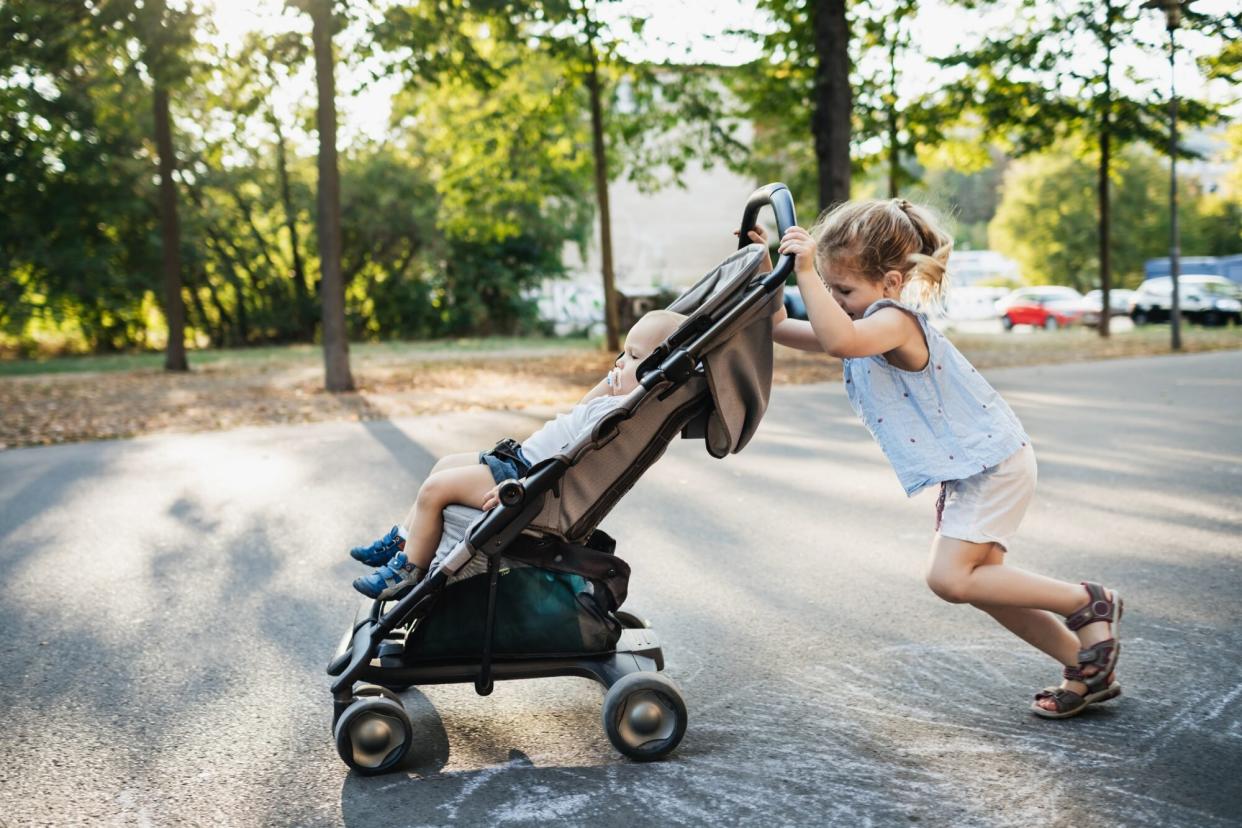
671, 237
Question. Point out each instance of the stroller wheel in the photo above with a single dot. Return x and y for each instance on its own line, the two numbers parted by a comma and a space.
644, 716
631, 621
373, 735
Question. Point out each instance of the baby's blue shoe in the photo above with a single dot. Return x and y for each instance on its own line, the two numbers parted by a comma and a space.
390, 579
380, 552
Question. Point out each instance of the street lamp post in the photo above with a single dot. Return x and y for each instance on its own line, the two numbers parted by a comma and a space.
1172, 17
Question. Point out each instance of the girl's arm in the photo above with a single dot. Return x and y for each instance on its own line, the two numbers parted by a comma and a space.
831, 327
792, 333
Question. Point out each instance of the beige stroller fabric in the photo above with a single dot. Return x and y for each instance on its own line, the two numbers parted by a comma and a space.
733, 396
739, 371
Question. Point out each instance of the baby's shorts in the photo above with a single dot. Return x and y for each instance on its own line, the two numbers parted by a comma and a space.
505, 461
987, 507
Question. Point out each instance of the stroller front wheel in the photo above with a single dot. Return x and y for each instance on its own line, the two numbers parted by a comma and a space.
644, 716
373, 735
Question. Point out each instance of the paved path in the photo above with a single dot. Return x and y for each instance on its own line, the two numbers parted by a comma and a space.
168, 605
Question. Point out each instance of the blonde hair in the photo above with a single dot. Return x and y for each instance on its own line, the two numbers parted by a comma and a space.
873, 236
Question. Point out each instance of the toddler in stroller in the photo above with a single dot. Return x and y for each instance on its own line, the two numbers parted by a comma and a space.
405, 553
530, 588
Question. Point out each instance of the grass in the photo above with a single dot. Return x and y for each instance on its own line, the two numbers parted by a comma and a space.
280, 356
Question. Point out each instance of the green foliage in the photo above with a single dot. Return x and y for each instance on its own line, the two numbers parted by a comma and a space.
78, 241
1047, 79
1046, 219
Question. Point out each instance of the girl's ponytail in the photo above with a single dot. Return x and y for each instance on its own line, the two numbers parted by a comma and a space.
928, 274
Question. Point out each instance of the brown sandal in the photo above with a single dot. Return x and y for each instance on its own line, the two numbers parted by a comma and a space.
1101, 655
1101, 684
1068, 703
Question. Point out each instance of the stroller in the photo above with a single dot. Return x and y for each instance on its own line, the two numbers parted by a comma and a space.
532, 588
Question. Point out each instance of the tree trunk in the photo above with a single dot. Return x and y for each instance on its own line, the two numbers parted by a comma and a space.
894, 149
337, 376
832, 101
612, 322
301, 287
170, 237
1105, 137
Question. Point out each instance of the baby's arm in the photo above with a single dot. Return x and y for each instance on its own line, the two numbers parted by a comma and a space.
836, 333
601, 389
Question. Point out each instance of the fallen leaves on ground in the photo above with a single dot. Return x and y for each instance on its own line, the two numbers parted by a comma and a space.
61, 408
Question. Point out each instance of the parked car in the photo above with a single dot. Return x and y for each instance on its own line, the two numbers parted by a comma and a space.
1208, 300
1044, 306
794, 306
968, 303
1118, 304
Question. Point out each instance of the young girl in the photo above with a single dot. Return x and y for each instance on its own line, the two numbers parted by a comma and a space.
938, 421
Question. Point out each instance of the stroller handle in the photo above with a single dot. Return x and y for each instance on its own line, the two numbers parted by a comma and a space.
777, 195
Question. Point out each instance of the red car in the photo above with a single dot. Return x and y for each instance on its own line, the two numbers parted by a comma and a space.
1047, 306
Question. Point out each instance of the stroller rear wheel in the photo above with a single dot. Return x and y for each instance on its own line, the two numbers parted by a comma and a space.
644, 716
374, 733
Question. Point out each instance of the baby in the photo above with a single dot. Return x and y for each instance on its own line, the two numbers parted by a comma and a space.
404, 554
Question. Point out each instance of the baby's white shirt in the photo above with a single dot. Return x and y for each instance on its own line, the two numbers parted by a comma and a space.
567, 428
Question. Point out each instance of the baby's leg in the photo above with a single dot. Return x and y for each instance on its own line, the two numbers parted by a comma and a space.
453, 461
448, 461
464, 484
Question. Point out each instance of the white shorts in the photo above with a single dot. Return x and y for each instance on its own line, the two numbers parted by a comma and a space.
987, 507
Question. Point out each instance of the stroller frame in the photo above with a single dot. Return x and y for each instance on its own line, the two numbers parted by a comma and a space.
643, 713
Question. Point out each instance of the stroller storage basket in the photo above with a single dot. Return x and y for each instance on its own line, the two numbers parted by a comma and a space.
553, 599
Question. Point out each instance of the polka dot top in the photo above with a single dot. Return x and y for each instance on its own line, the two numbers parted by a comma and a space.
944, 422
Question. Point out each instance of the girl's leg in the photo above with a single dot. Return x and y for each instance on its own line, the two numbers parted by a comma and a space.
1039, 628
959, 573
964, 572
464, 484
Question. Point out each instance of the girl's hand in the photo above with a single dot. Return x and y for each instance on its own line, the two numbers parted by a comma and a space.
799, 244
492, 499
760, 236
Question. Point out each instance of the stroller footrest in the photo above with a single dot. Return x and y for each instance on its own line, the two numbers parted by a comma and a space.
643, 643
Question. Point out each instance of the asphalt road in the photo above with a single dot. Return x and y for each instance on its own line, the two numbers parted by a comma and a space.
168, 604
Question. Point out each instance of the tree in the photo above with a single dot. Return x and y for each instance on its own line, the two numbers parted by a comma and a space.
337, 376
165, 36
76, 253
672, 115
901, 125
1035, 85
497, 132
800, 94
1045, 218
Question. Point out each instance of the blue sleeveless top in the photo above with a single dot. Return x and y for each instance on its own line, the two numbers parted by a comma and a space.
942, 423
